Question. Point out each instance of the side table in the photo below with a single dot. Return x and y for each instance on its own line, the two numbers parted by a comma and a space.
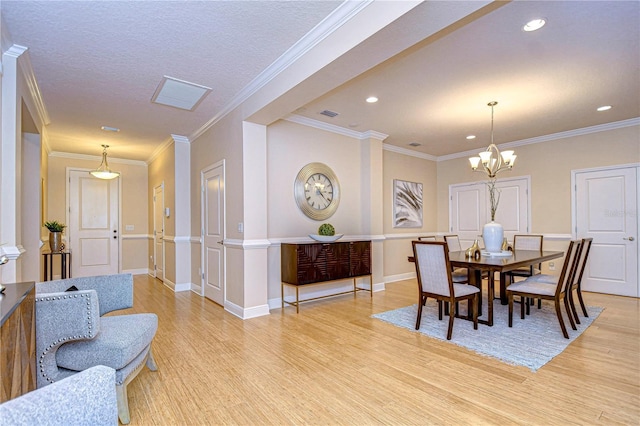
65, 264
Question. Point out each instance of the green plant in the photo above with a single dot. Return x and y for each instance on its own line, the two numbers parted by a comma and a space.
326, 229
55, 226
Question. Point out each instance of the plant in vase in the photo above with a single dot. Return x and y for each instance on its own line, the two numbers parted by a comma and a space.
55, 234
493, 233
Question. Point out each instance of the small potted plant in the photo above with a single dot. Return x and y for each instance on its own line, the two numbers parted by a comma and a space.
55, 235
326, 233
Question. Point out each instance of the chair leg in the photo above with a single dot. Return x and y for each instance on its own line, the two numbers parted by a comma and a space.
523, 302
452, 315
424, 301
440, 310
584, 309
574, 311
539, 303
510, 297
559, 314
567, 307
151, 362
474, 309
419, 314
123, 404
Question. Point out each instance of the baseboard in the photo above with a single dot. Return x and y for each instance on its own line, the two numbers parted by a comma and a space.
399, 277
246, 313
182, 287
140, 271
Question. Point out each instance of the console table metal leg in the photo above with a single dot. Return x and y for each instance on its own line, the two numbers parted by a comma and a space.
44, 272
297, 301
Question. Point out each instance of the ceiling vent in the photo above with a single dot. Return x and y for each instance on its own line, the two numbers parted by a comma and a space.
328, 113
415, 144
179, 94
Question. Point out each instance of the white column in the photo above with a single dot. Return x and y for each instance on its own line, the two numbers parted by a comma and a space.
182, 213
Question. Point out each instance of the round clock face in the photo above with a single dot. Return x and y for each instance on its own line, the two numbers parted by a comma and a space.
317, 191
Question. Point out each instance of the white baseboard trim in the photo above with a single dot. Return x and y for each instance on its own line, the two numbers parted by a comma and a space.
139, 271
182, 287
246, 313
196, 289
399, 277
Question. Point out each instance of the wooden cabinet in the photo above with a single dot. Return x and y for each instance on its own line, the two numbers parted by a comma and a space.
314, 263
17, 340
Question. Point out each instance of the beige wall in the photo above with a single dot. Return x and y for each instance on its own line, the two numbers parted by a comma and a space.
221, 142
133, 207
549, 164
162, 171
396, 245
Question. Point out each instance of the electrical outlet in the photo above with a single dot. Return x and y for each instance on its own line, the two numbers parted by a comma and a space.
552, 266
240, 227
129, 227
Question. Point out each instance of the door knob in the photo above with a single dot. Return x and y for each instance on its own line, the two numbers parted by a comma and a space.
629, 239
221, 242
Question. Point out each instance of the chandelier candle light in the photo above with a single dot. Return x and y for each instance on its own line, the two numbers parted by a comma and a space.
103, 171
493, 162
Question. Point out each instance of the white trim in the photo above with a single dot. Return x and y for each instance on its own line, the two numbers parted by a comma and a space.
320, 125
159, 150
12, 252
32, 83
95, 158
409, 152
139, 271
399, 277
246, 313
412, 236
136, 237
182, 287
276, 242
195, 240
342, 14
551, 137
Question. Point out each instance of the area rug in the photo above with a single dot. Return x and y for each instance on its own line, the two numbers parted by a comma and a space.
531, 342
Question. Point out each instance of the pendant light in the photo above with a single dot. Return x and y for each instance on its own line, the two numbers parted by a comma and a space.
492, 160
104, 172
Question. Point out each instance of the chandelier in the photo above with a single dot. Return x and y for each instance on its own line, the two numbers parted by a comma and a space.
103, 171
492, 160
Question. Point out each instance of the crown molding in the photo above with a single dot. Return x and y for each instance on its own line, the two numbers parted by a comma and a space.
23, 59
97, 158
551, 137
160, 149
342, 14
180, 139
409, 152
320, 125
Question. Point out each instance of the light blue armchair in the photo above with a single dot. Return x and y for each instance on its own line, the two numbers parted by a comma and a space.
72, 334
86, 398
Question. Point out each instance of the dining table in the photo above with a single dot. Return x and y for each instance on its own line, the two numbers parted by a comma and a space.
500, 263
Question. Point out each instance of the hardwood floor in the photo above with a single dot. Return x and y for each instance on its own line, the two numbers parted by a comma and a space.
333, 364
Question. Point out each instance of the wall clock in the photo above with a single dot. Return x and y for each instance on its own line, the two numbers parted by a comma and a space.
317, 191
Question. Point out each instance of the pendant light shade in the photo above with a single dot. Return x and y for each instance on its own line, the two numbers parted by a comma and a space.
104, 172
492, 161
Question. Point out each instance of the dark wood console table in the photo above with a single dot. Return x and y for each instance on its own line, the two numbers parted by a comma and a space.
319, 263
17, 340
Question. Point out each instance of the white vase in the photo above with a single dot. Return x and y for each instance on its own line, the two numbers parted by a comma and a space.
492, 234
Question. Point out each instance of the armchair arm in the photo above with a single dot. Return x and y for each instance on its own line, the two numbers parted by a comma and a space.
61, 318
114, 291
87, 398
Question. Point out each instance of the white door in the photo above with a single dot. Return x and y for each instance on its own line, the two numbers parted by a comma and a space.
469, 209
213, 210
93, 224
158, 232
606, 206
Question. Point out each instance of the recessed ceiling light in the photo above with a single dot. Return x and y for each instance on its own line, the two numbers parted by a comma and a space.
534, 24
604, 108
471, 137
372, 99
415, 144
110, 129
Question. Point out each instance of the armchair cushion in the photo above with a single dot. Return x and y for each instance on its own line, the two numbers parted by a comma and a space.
121, 339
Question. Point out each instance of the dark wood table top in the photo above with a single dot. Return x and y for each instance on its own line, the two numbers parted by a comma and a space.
519, 259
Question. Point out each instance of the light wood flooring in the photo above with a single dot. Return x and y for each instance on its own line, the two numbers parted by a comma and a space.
333, 364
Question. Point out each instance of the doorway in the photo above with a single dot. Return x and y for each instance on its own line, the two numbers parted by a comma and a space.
213, 232
93, 232
158, 232
605, 202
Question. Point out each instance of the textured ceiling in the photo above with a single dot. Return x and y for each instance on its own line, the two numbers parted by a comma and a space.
98, 63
